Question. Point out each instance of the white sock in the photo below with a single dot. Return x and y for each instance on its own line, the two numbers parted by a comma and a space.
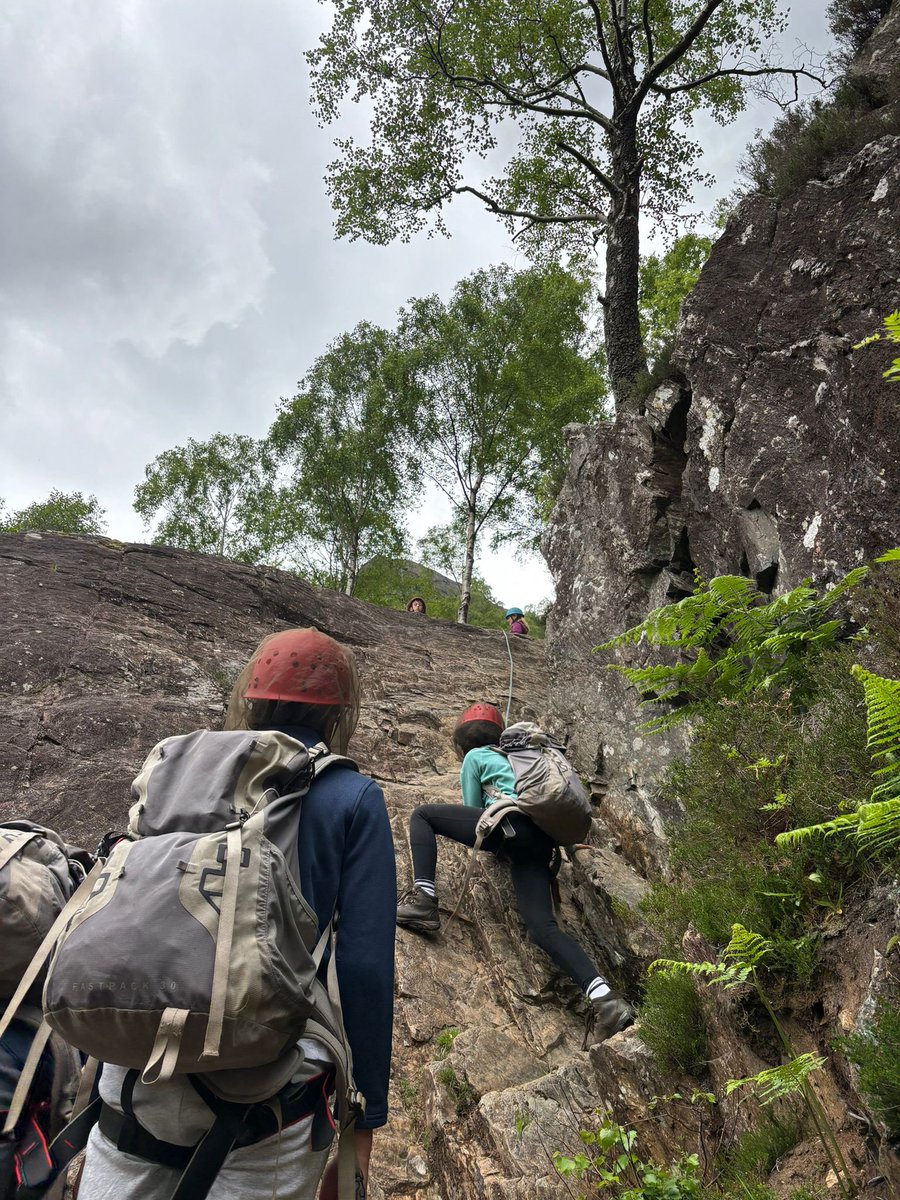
597, 989
427, 886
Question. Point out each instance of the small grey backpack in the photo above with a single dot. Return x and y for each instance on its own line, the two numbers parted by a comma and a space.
547, 786
38, 875
195, 951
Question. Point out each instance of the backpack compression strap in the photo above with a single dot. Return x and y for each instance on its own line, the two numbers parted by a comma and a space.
489, 821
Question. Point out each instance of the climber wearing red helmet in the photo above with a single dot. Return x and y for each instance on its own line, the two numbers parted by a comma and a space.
486, 776
302, 683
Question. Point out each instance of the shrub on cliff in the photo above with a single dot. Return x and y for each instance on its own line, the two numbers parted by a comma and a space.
61, 512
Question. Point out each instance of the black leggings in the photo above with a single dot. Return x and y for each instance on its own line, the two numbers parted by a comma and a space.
528, 853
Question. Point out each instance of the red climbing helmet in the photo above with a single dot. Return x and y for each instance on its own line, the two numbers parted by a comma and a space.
481, 712
303, 666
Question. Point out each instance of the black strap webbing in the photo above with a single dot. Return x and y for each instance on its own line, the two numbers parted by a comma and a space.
127, 1135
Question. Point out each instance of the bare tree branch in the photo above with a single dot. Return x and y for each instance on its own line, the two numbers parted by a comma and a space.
648, 32
604, 50
534, 218
746, 72
674, 53
592, 167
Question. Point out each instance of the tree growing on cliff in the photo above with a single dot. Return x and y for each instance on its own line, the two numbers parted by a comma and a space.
346, 438
215, 497
61, 512
496, 373
564, 119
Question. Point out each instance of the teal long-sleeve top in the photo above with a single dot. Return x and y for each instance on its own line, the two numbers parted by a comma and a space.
485, 767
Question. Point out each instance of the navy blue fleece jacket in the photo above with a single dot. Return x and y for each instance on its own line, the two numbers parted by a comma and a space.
347, 865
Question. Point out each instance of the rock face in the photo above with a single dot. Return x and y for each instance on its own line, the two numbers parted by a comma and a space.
775, 454
105, 649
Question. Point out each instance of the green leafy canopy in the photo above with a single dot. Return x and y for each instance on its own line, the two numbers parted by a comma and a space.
347, 442
214, 497
534, 96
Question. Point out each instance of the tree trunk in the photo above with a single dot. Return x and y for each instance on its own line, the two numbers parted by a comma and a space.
465, 591
352, 568
626, 357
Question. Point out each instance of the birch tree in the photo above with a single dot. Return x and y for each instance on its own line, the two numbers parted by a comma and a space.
346, 442
497, 372
567, 119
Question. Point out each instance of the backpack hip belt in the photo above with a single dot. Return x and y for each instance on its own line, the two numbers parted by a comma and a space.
254, 1122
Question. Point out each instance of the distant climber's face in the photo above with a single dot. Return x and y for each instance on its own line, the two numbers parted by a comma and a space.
417, 606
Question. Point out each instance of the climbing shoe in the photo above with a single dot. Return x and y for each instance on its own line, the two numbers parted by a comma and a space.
418, 911
607, 1015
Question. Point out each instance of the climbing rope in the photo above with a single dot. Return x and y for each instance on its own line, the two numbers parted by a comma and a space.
509, 695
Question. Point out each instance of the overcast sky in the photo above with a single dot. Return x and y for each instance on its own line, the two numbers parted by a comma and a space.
168, 268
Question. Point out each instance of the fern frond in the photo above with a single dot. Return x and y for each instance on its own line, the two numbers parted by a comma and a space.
890, 556
746, 948
875, 826
882, 713
777, 1082
723, 974
796, 837
878, 828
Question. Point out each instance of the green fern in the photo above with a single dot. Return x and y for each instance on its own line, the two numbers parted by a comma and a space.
875, 826
777, 1082
733, 641
734, 966
891, 334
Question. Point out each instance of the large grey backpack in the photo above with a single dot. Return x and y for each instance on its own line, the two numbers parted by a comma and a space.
191, 949
196, 951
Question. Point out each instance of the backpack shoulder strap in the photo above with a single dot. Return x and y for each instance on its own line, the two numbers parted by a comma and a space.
322, 759
491, 817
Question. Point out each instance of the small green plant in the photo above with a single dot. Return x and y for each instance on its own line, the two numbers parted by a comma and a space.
445, 1039
672, 1025
461, 1091
734, 641
891, 333
523, 1120
610, 1163
739, 964
411, 1099
748, 1161
875, 1051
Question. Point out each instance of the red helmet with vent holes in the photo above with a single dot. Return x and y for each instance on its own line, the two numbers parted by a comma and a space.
302, 666
481, 712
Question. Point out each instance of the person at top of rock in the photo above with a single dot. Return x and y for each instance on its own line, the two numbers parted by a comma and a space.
417, 605
516, 623
309, 691
486, 775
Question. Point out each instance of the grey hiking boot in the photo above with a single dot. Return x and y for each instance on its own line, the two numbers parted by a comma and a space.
608, 1015
418, 911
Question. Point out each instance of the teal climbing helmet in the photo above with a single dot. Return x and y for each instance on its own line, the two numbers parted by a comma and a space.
514, 612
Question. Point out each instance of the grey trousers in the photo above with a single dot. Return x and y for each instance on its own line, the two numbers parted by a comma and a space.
282, 1167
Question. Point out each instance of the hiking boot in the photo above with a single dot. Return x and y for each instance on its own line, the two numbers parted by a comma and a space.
418, 911
608, 1015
